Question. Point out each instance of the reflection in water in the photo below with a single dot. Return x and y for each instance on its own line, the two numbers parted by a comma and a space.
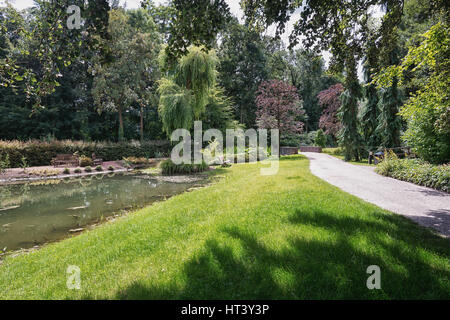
35, 213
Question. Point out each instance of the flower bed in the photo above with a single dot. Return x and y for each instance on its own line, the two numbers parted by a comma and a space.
417, 171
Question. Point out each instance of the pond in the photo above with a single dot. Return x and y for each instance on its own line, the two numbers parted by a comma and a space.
35, 213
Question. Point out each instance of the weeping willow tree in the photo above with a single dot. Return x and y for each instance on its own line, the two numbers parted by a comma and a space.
175, 107
184, 92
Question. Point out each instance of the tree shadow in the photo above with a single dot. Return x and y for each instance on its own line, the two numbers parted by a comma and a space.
437, 219
305, 268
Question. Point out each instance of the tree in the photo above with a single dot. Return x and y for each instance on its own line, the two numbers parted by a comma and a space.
330, 101
194, 23
306, 71
348, 136
369, 107
55, 46
122, 82
279, 107
389, 122
147, 43
184, 92
163, 15
242, 68
219, 112
426, 112
333, 25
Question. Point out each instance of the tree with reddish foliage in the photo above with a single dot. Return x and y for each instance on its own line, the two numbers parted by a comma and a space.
330, 100
279, 107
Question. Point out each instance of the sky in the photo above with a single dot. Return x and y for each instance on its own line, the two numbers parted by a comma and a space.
234, 8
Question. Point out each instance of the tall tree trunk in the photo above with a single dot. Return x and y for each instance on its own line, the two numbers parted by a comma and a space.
142, 123
120, 124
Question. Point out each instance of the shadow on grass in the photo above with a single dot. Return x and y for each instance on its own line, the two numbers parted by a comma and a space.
313, 268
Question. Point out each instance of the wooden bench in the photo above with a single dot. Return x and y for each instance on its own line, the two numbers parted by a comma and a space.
401, 152
66, 160
97, 161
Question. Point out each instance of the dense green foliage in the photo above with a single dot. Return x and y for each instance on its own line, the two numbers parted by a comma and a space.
321, 139
243, 66
186, 89
191, 23
349, 136
69, 112
417, 171
306, 71
40, 153
131, 77
427, 111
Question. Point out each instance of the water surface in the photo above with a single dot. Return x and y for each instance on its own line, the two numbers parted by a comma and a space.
34, 213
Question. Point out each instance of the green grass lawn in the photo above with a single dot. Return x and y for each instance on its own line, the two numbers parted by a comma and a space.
288, 236
334, 152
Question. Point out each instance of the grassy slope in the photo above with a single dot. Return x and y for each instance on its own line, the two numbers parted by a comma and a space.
248, 236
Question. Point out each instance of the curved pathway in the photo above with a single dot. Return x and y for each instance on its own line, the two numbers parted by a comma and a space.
428, 207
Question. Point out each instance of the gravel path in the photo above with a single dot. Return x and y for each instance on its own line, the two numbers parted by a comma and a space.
428, 207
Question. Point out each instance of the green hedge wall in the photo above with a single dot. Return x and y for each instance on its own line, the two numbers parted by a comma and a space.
39, 153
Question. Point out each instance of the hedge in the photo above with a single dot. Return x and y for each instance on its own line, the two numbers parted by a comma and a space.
417, 171
40, 153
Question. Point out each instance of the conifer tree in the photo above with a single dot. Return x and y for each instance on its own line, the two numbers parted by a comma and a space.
349, 137
389, 120
370, 111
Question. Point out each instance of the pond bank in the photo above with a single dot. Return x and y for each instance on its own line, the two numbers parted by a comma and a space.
37, 213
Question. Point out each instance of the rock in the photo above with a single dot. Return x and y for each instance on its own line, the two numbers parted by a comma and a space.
9, 208
77, 208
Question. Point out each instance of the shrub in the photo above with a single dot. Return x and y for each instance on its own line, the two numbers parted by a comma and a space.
135, 160
141, 162
86, 162
88, 169
98, 168
66, 171
321, 139
416, 171
4, 163
290, 140
307, 139
77, 170
40, 153
111, 168
24, 164
44, 173
170, 168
